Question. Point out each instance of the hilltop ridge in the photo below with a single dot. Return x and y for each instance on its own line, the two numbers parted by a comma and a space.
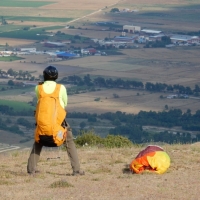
107, 175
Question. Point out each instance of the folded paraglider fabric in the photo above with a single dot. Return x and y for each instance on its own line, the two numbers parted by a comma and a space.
152, 158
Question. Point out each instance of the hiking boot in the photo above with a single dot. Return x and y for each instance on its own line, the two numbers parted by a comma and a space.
78, 173
31, 173
34, 172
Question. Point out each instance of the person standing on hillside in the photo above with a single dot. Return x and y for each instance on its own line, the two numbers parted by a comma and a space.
49, 86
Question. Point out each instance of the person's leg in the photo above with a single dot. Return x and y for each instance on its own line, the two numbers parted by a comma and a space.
34, 157
72, 152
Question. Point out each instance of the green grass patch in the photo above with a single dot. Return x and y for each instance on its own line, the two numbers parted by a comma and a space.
37, 19
10, 27
12, 3
32, 34
60, 184
10, 58
16, 105
17, 90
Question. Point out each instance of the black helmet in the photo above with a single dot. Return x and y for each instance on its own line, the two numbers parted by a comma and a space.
50, 73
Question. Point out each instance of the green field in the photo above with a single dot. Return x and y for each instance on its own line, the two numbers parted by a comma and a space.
10, 27
17, 106
37, 19
10, 58
179, 15
16, 91
29, 34
12, 3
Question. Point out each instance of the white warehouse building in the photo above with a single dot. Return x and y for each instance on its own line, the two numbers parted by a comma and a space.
131, 29
28, 49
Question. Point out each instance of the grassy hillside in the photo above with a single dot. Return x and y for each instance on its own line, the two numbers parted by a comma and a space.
106, 175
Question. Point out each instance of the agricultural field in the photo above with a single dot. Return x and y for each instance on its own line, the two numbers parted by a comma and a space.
14, 43
23, 4
128, 101
168, 66
10, 58
47, 10
178, 65
178, 15
16, 105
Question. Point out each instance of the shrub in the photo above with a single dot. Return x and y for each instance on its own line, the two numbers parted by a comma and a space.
97, 99
111, 141
118, 141
89, 138
114, 10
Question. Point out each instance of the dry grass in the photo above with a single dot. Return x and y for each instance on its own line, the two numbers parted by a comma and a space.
128, 101
59, 8
106, 176
14, 42
11, 137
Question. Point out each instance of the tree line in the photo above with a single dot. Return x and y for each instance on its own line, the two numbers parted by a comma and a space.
129, 125
129, 84
7, 126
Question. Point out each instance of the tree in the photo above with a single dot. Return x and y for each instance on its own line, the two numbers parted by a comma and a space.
197, 89
82, 125
100, 81
34, 101
11, 83
116, 122
3, 21
115, 95
114, 10
166, 40
87, 80
24, 122
10, 72
77, 37
92, 119
26, 28
8, 121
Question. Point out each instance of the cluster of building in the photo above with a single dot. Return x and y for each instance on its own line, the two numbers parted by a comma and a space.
130, 35
153, 35
57, 55
142, 36
5, 53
